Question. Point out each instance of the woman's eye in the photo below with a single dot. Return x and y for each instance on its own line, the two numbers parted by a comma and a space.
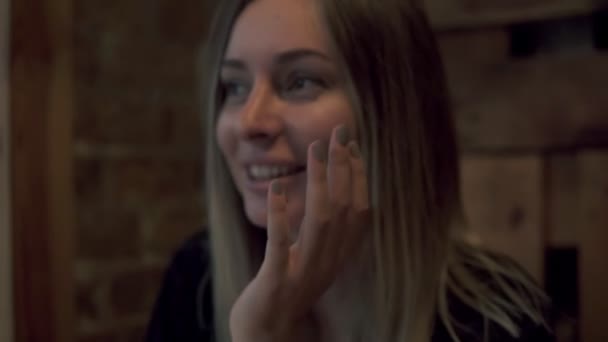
300, 83
235, 91
304, 87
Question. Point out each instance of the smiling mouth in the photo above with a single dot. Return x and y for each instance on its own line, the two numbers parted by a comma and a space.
260, 173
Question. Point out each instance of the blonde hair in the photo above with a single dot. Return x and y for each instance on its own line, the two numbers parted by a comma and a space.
401, 103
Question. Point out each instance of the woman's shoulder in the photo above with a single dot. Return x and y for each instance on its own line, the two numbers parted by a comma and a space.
193, 253
190, 264
183, 307
528, 313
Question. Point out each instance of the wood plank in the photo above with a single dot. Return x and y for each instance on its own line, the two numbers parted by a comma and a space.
41, 104
502, 200
548, 102
594, 245
6, 307
464, 14
563, 200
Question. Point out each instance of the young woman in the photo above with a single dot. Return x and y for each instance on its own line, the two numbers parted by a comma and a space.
333, 190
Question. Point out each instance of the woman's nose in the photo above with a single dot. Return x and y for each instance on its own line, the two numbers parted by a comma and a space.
260, 119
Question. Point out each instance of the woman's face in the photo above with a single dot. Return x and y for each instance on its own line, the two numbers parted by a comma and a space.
282, 93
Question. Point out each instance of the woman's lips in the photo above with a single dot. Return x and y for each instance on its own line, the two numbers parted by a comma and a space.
260, 186
268, 172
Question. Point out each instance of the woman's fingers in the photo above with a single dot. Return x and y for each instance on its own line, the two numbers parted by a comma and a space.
360, 195
278, 244
340, 192
339, 172
316, 211
328, 200
359, 219
335, 215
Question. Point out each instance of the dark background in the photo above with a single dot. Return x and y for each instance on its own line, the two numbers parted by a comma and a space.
529, 83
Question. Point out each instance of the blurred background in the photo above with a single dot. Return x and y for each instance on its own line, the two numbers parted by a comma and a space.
101, 153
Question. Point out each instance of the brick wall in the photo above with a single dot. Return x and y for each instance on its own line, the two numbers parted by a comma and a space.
138, 152
532, 118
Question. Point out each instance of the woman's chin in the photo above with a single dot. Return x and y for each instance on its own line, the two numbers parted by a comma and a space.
257, 215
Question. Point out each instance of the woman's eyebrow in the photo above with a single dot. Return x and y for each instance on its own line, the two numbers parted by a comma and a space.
234, 64
281, 59
292, 55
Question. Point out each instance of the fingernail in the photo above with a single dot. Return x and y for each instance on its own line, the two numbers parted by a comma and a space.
319, 151
277, 188
342, 135
354, 150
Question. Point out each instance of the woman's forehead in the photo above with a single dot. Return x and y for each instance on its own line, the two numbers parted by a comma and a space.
269, 27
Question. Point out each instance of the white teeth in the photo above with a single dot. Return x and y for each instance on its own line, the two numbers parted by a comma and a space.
261, 172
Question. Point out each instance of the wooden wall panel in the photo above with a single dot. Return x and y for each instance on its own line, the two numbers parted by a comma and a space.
458, 14
547, 102
563, 200
41, 107
6, 308
502, 198
594, 246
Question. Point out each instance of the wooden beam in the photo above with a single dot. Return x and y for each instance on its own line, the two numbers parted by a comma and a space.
562, 199
466, 14
6, 292
537, 104
41, 104
593, 245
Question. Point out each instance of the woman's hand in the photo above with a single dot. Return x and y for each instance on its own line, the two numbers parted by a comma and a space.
277, 305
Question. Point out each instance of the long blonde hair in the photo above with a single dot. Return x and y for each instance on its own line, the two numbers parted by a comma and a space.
401, 103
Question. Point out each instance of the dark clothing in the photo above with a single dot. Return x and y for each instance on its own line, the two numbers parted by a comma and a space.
184, 309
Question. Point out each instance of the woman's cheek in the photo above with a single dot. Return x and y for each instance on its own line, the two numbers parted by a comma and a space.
225, 137
226, 141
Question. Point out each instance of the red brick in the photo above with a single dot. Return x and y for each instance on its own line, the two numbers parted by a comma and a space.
139, 65
593, 245
134, 293
119, 45
90, 297
119, 118
131, 80
502, 198
189, 126
107, 234
184, 21
149, 181
119, 329
131, 333
88, 179
108, 336
172, 226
